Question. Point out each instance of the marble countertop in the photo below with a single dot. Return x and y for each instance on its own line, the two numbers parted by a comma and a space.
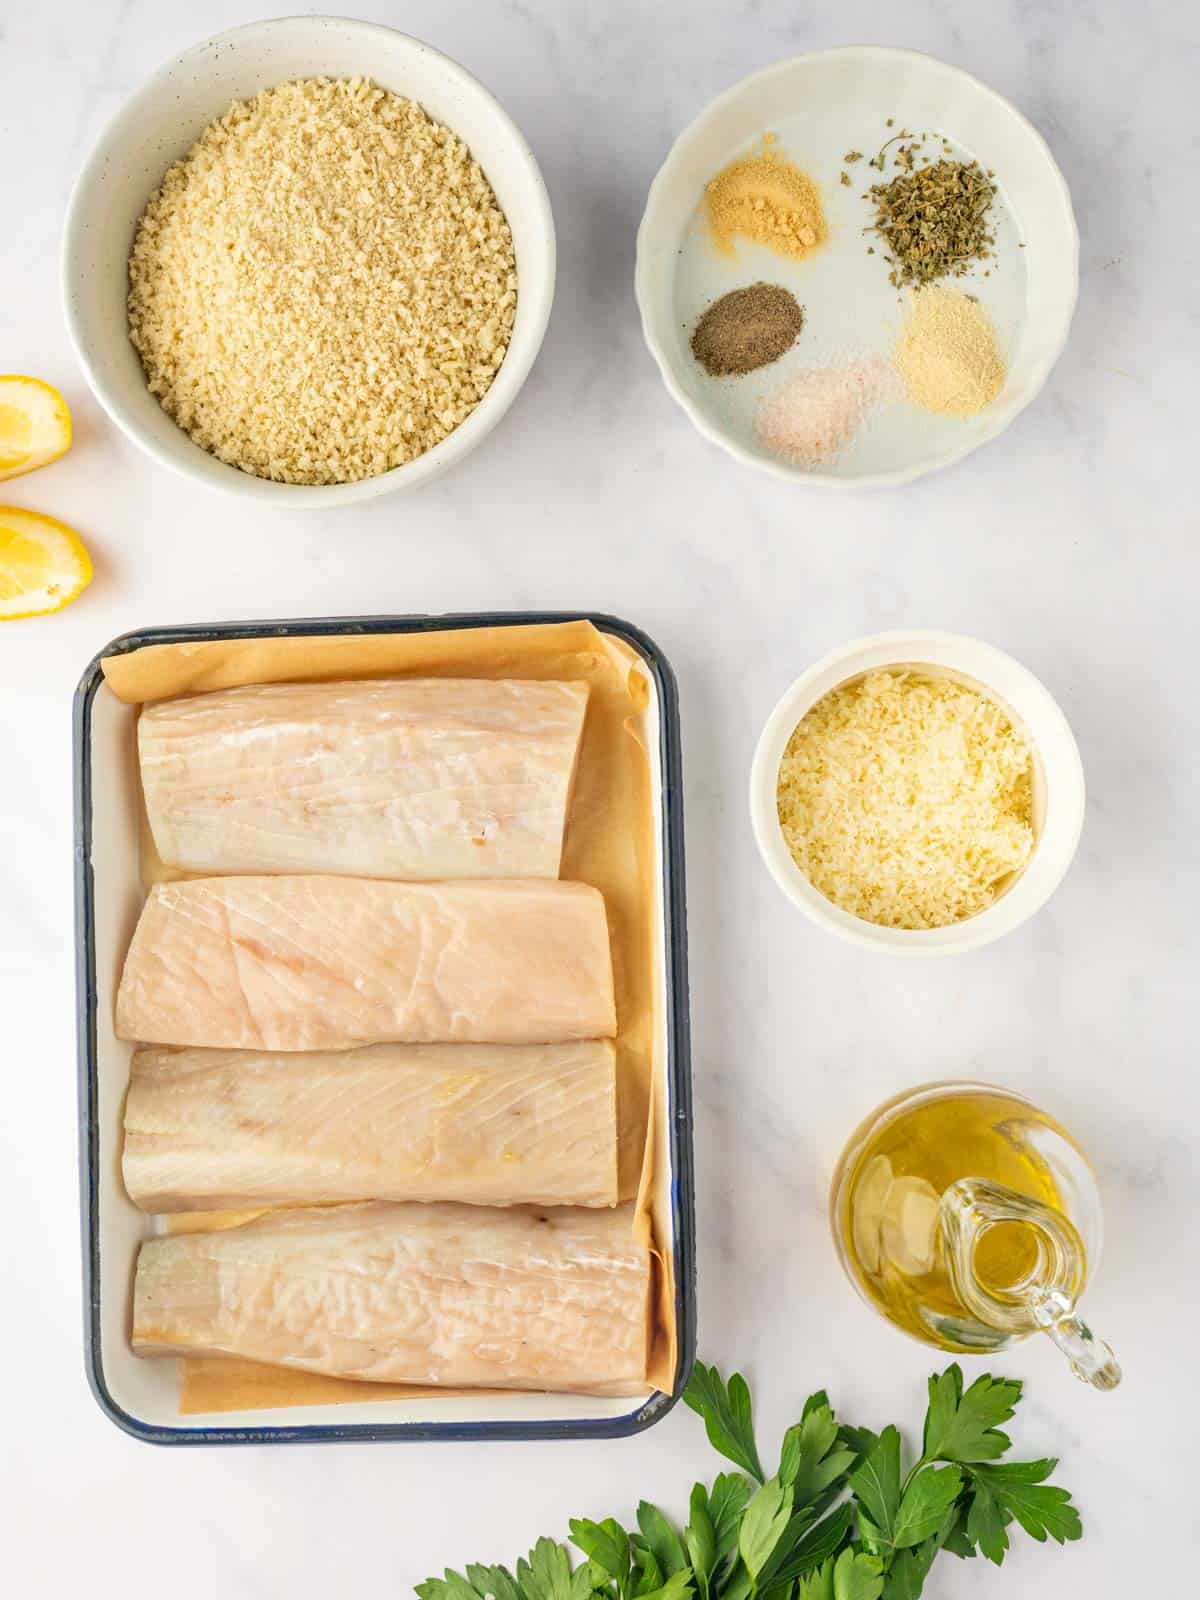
1071, 542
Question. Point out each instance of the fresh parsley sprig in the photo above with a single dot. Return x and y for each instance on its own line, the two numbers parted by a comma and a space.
840, 1519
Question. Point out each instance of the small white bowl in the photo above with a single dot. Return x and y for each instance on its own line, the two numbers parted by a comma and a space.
1058, 788
822, 105
160, 123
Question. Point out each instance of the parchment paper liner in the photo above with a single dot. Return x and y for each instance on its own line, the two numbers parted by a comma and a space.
609, 843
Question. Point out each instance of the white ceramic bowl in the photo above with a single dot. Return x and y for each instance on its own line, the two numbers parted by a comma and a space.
158, 125
822, 105
1058, 788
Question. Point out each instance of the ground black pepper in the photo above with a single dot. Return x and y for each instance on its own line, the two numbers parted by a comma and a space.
746, 329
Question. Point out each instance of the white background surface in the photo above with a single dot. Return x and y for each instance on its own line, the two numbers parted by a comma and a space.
1070, 542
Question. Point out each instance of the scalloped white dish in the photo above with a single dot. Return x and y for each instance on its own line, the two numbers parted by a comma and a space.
818, 107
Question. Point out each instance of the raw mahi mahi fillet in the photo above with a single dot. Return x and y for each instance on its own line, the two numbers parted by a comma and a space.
431, 1294
319, 963
488, 1124
410, 778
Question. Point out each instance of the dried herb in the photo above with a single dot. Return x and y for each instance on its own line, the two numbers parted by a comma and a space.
852, 155
845, 180
877, 160
933, 219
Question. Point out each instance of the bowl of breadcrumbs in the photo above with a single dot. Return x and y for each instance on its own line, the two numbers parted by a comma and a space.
311, 261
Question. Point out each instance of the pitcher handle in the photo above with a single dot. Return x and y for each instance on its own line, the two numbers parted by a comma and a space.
1091, 1359
1046, 1298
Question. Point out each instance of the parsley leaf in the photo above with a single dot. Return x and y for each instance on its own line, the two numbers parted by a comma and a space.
957, 1540
661, 1538
986, 1524
497, 1582
793, 1533
925, 1504
728, 1498
1020, 1489
813, 1546
546, 1574
809, 1463
963, 1427
739, 1584
861, 1440
810, 1440
606, 1543
727, 1416
905, 1578
649, 1573
700, 1537
816, 1402
766, 1517
677, 1587
876, 1485
452, 1587
853, 1576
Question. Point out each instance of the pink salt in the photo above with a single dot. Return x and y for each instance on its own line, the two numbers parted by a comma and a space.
818, 411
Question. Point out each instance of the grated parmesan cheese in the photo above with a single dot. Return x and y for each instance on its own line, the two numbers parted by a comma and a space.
907, 800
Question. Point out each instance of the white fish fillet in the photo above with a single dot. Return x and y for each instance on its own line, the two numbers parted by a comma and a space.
491, 1124
319, 963
432, 1294
393, 778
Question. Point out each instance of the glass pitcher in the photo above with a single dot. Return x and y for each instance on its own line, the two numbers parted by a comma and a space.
970, 1219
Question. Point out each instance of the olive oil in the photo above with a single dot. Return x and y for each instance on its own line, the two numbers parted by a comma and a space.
888, 1205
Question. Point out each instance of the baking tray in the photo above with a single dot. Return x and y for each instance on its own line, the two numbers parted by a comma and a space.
103, 738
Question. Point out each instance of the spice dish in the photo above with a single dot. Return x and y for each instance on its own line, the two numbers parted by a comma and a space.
901, 365
1056, 801
158, 127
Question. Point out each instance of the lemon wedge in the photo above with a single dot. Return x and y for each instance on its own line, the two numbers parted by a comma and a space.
35, 425
43, 565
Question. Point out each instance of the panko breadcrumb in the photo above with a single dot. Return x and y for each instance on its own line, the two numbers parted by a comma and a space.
325, 286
